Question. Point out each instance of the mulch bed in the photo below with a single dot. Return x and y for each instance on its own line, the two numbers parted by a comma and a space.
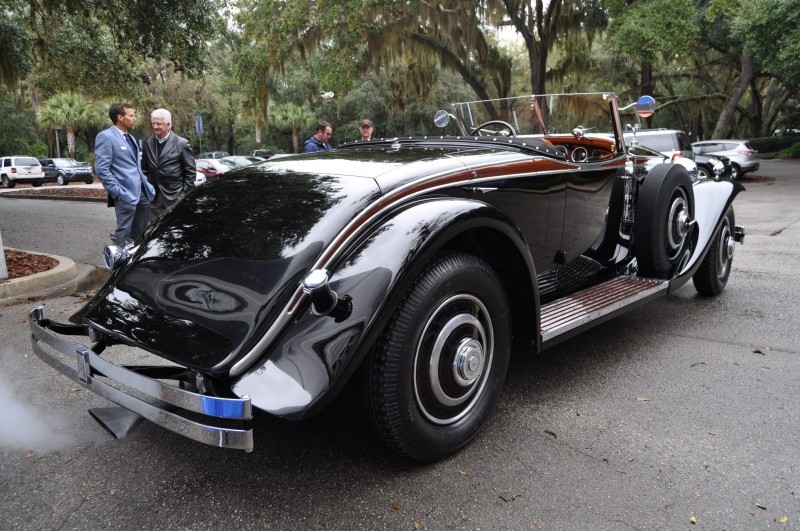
65, 191
22, 264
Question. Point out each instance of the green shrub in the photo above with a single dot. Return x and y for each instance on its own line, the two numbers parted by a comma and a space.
771, 144
792, 152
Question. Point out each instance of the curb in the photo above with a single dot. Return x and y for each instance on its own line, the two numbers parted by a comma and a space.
54, 197
64, 272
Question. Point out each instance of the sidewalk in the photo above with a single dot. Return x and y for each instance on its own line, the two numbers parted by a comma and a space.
63, 279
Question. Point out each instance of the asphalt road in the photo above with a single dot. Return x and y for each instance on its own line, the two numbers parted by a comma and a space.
680, 415
76, 229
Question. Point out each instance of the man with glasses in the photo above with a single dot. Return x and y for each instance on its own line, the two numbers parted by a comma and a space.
319, 140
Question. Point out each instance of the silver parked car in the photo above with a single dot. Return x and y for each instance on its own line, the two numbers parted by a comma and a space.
744, 157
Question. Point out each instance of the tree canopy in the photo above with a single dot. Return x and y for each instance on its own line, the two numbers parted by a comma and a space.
716, 67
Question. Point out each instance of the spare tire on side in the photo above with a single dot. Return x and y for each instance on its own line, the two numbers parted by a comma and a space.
662, 227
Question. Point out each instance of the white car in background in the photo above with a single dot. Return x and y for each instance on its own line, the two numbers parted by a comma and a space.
22, 169
744, 157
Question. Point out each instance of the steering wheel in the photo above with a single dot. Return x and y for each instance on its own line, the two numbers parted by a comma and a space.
507, 128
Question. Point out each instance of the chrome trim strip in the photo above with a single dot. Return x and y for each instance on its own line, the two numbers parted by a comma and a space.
164, 395
578, 309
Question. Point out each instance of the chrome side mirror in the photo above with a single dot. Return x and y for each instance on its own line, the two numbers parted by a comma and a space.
441, 118
645, 106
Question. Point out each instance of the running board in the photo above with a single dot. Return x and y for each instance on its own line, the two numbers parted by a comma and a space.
568, 315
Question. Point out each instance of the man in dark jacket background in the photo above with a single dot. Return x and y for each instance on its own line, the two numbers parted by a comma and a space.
168, 162
319, 140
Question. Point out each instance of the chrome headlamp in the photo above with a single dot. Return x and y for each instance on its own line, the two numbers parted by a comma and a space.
117, 253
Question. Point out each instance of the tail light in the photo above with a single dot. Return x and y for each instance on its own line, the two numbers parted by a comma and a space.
13, 170
677, 156
748, 153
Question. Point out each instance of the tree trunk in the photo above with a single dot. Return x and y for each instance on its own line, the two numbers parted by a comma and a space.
70, 141
756, 110
647, 79
726, 116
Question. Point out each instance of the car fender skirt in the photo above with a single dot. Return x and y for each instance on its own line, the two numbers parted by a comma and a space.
315, 357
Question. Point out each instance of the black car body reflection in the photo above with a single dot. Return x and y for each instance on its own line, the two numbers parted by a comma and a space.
410, 263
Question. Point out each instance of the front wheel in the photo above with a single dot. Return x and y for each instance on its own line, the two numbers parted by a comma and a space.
8, 183
703, 172
440, 364
712, 275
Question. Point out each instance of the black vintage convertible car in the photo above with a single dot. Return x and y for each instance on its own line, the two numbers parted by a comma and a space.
408, 264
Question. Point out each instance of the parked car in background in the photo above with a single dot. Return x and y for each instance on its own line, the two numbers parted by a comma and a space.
20, 169
409, 264
671, 142
64, 171
713, 167
265, 153
744, 157
243, 160
212, 155
199, 179
213, 167
674, 143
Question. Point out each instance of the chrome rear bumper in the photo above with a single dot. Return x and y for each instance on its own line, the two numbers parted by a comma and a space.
161, 403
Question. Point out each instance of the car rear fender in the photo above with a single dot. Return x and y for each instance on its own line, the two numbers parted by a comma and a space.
317, 355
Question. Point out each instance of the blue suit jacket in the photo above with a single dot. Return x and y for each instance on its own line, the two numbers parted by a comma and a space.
117, 166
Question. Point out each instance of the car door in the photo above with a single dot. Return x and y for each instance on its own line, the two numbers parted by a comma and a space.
49, 168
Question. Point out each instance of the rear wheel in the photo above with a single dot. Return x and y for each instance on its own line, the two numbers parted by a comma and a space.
61, 179
664, 213
736, 171
703, 172
441, 362
712, 275
89, 180
36, 184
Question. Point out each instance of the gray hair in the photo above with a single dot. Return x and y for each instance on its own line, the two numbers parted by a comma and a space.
163, 114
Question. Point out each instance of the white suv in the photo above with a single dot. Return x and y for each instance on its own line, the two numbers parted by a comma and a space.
672, 143
21, 169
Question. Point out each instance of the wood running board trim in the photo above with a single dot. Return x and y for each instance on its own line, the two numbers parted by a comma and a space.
579, 309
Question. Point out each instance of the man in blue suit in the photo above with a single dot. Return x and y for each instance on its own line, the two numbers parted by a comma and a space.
116, 163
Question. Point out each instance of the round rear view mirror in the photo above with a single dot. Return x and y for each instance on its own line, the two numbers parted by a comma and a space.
441, 118
645, 106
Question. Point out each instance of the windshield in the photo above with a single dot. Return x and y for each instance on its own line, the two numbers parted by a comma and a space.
548, 114
228, 164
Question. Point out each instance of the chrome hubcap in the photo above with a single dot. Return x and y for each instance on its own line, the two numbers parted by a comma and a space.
677, 223
726, 246
452, 359
468, 363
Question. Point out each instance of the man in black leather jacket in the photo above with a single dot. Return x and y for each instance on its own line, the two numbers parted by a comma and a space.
168, 162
